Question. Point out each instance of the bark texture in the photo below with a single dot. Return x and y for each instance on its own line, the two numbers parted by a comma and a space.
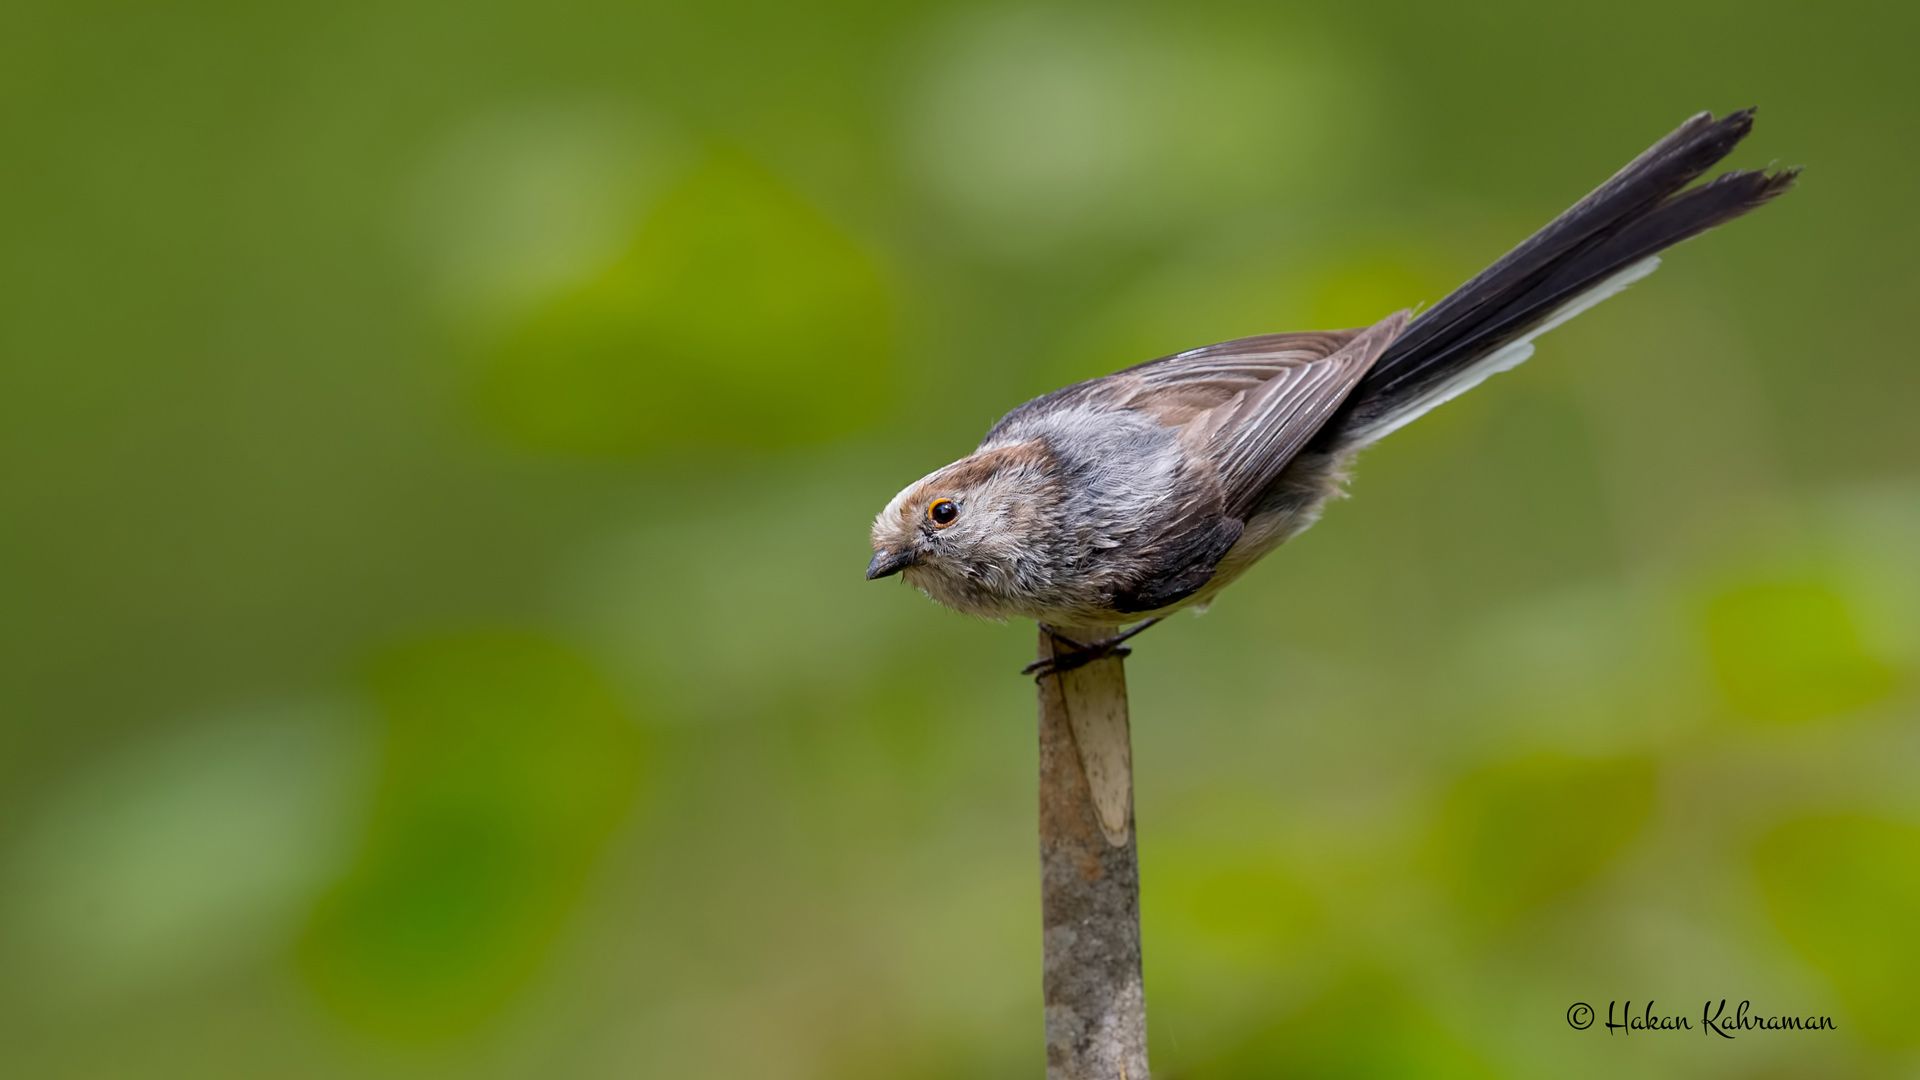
1089, 875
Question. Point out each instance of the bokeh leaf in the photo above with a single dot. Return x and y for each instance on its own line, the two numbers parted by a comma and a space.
1845, 890
1364, 1028
1791, 651
1518, 835
1242, 909
196, 850
1359, 291
740, 316
508, 763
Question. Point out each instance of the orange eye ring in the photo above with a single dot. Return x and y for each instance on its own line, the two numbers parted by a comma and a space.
942, 512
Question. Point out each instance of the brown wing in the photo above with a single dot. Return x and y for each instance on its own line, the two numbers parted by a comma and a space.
1178, 388
1251, 434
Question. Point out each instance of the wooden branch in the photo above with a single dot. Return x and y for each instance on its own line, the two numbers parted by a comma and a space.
1089, 874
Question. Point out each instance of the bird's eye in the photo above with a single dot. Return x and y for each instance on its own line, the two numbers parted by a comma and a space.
942, 512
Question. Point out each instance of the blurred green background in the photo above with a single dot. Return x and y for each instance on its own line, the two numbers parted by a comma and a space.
437, 444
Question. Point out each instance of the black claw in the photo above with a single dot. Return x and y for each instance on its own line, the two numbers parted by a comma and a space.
1081, 653
1076, 658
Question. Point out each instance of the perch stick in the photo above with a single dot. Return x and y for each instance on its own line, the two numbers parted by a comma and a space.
1089, 874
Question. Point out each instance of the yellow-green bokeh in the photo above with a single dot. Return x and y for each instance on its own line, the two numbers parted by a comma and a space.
507, 763
1844, 890
738, 316
1791, 651
329, 330
1516, 836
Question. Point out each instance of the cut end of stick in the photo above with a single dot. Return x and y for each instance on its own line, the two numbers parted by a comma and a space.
1095, 698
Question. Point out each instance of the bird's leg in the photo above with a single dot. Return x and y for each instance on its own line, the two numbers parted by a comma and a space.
1082, 653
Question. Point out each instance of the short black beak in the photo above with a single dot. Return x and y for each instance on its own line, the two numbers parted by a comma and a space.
888, 562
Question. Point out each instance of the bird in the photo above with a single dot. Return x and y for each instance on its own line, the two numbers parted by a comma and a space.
1117, 501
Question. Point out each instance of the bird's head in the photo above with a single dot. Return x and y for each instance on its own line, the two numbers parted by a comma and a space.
973, 535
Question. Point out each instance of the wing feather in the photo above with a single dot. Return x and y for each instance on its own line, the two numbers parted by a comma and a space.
1252, 435
1176, 389
1245, 407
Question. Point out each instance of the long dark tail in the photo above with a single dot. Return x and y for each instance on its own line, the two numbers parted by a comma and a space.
1601, 245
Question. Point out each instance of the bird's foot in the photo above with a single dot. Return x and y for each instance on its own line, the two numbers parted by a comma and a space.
1080, 653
